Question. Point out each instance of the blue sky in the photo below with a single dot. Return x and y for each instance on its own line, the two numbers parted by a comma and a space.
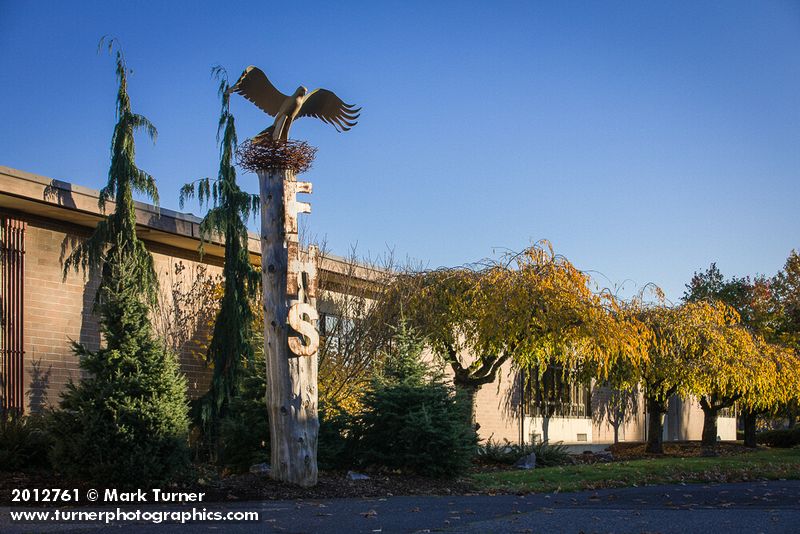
644, 139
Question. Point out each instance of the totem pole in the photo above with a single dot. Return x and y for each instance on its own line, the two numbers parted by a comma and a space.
291, 338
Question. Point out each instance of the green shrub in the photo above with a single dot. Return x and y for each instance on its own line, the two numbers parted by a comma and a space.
24, 442
784, 438
126, 422
547, 454
497, 452
420, 429
244, 430
335, 444
410, 421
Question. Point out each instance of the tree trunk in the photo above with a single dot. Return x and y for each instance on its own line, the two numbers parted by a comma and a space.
618, 417
291, 379
469, 393
791, 416
750, 429
710, 415
655, 429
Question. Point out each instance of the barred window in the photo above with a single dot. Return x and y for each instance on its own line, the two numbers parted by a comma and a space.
12, 269
557, 393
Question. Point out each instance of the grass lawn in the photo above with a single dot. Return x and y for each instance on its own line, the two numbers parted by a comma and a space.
764, 464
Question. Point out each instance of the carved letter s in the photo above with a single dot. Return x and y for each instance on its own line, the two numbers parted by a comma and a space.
305, 328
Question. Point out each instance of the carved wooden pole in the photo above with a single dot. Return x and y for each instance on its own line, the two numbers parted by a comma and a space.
290, 335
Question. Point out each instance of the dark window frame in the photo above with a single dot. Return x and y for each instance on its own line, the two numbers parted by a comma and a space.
557, 393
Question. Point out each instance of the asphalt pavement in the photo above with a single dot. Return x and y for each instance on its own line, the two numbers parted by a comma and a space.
755, 507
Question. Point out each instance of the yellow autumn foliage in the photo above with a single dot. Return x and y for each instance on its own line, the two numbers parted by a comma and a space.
702, 349
534, 308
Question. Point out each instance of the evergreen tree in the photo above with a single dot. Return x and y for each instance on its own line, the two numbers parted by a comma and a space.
412, 420
403, 364
118, 229
244, 429
127, 420
231, 341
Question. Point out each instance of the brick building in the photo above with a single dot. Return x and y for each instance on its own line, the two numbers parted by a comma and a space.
42, 311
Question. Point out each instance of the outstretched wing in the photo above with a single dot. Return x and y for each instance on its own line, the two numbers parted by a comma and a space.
326, 106
254, 85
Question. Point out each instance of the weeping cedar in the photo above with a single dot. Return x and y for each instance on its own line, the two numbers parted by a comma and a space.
231, 343
118, 229
127, 421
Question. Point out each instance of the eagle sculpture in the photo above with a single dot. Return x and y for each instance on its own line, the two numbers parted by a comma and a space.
254, 85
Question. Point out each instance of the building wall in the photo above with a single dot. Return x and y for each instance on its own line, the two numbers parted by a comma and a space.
497, 413
684, 422
726, 428
631, 428
55, 312
187, 326
58, 311
497, 407
559, 429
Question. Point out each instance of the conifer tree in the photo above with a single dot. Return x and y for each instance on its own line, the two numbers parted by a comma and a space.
411, 419
403, 365
118, 230
231, 344
127, 421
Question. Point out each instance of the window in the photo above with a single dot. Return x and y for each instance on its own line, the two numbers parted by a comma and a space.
12, 269
335, 330
557, 394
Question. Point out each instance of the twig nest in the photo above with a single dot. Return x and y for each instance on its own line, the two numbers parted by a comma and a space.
268, 154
